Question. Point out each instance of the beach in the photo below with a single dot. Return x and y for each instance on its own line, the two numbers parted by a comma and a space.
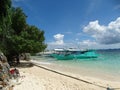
39, 77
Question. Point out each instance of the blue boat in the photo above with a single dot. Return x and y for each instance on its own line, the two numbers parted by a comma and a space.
68, 54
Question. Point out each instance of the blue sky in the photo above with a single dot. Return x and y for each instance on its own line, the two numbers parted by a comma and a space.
75, 23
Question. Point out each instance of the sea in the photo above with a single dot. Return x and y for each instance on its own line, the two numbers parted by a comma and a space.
106, 66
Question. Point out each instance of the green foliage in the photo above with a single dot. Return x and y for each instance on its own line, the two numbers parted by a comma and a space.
33, 39
5, 24
18, 20
5, 5
16, 35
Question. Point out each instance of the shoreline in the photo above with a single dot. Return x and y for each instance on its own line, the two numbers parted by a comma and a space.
49, 79
82, 71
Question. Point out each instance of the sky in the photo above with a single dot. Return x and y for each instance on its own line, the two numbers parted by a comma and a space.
84, 24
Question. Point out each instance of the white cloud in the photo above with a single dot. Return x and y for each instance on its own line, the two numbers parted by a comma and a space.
109, 34
87, 44
105, 37
59, 39
58, 43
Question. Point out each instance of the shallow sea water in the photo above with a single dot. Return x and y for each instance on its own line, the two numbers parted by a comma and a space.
106, 66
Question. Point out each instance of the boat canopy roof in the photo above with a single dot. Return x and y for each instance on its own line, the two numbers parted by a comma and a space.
70, 49
59, 49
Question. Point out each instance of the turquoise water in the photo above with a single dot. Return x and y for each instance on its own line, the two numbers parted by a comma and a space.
108, 63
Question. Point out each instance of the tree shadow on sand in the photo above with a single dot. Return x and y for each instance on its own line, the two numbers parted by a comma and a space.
24, 64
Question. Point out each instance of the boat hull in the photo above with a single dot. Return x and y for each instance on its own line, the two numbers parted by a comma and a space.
62, 57
85, 55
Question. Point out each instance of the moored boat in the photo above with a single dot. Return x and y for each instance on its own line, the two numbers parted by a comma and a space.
68, 54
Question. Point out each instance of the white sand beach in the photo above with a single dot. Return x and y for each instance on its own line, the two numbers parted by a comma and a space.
39, 78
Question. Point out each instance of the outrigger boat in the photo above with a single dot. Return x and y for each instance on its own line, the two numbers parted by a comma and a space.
68, 54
